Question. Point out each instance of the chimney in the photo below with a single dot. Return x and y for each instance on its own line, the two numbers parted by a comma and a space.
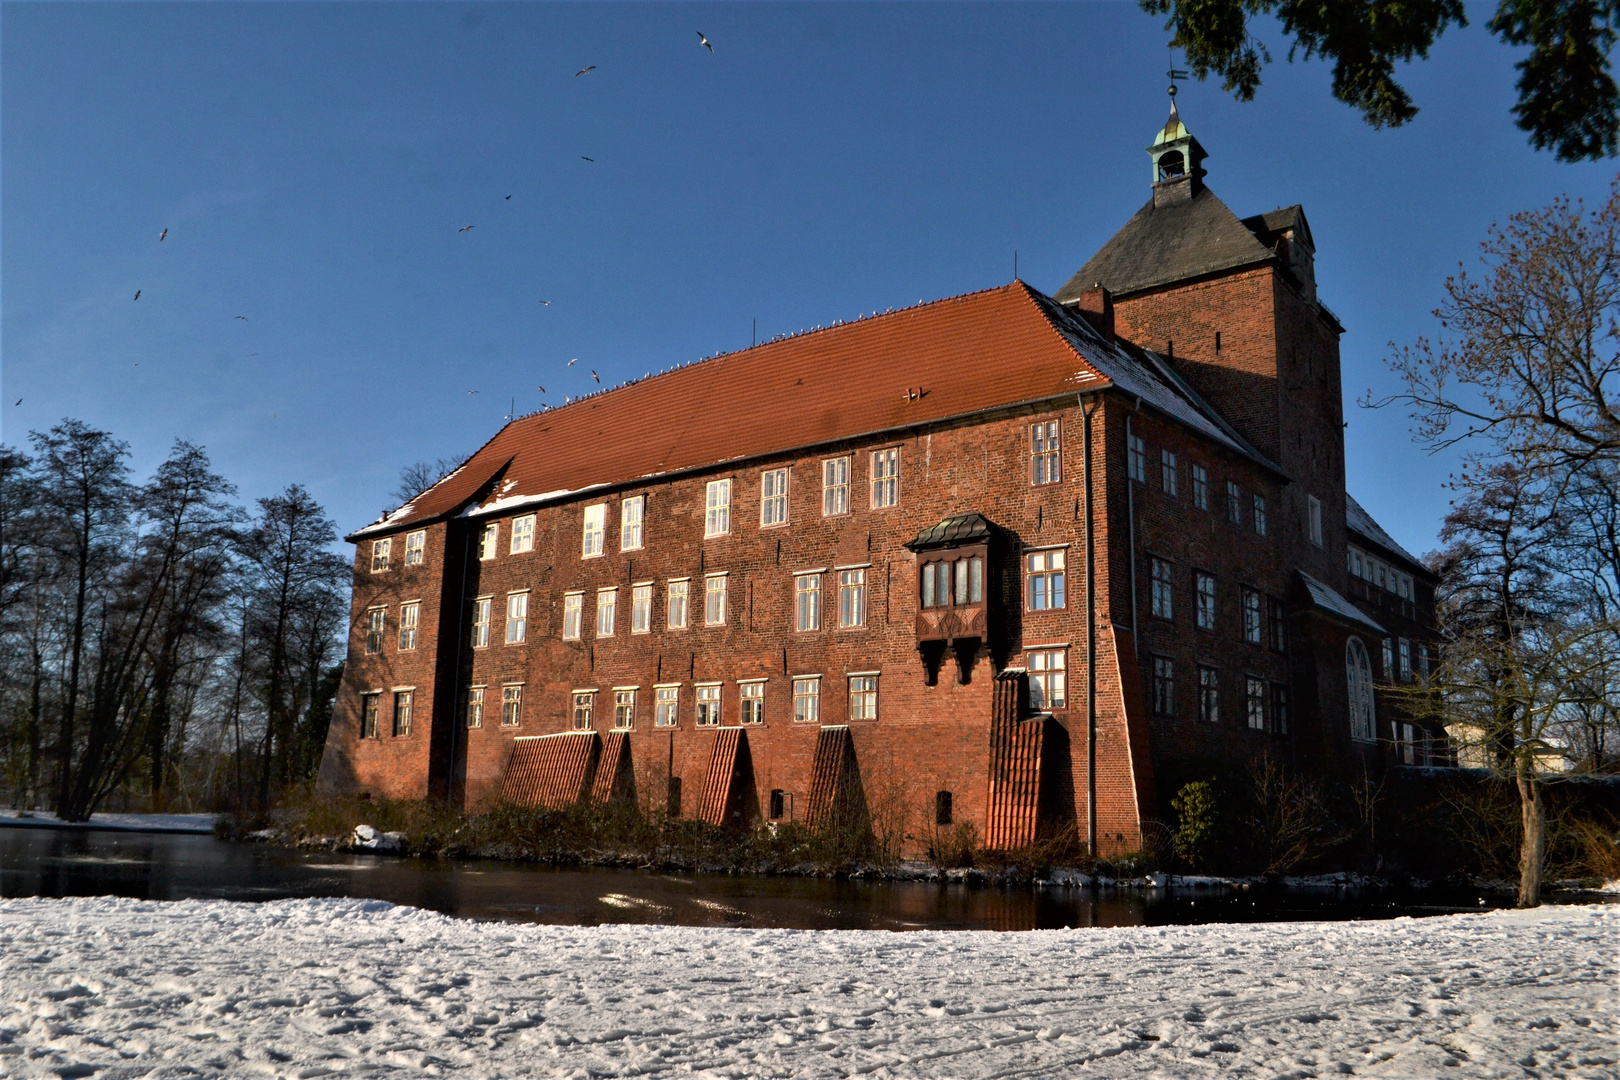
1096, 306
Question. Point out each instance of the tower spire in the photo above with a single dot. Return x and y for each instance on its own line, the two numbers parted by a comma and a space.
1177, 157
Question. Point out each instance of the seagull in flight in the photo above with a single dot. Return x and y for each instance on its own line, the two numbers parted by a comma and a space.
545, 303
589, 159
162, 234
584, 71
464, 228
595, 376
472, 391
244, 318
509, 198
704, 41
18, 401
541, 389
137, 294
574, 361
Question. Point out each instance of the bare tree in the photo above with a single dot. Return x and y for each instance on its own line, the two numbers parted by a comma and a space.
421, 475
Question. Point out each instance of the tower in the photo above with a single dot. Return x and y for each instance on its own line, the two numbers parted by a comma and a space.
1178, 159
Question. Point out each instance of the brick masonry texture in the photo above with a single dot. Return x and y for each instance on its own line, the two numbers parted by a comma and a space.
1275, 378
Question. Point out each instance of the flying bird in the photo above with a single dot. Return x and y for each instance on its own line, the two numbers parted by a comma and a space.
162, 234
509, 198
589, 159
584, 71
541, 389
545, 303
472, 391
242, 317
252, 354
137, 294
595, 376
464, 228
704, 41
18, 401
574, 361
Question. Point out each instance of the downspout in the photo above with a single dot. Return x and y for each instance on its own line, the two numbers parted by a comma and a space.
1088, 406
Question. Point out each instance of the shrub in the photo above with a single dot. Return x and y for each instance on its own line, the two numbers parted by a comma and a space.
1197, 823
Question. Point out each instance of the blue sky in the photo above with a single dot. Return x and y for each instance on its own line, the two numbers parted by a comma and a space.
314, 164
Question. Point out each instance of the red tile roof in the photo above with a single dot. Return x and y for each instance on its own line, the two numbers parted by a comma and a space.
963, 355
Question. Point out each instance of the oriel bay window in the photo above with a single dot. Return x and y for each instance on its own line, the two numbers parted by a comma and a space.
954, 583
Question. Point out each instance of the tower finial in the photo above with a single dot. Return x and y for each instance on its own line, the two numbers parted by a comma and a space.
1174, 73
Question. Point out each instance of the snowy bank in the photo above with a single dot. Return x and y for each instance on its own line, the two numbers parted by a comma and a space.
304, 988
164, 823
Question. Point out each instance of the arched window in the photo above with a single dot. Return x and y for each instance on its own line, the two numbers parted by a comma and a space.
1172, 164
1358, 680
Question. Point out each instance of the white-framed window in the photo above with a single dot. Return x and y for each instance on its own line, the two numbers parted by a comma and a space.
517, 618
488, 541
675, 610
607, 611
415, 547
835, 486
1209, 695
1136, 458
1423, 661
851, 598
807, 700
1313, 508
475, 707
1162, 597
593, 530
885, 478
380, 551
1388, 657
1234, 503
632, 519
410, 615
717, 507
641, 608
1358, 680
1204, 595
1405, 647
584, 710
480, 621
1169, 472
751, 702
1253, 628
573, 619
1200, 482
1044, 574
708, 704
1045, 452
1260, 515
376, 627
714, 600
370, 706
404, 701
666, 706
1048, 675
863, 697
512, 705
522, 534
624, 708
807, 602
1255, 702
1164, 686
773, 497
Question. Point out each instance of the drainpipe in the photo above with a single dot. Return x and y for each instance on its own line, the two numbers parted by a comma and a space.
1088, 407
1130, 514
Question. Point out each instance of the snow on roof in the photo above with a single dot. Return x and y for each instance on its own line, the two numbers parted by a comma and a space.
1362, 524
1328, 599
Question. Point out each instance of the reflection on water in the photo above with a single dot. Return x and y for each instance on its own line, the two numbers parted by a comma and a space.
57, 862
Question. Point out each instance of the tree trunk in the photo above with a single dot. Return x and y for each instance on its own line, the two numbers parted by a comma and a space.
1533, 843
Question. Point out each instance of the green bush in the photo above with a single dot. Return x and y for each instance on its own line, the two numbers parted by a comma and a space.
1197, 823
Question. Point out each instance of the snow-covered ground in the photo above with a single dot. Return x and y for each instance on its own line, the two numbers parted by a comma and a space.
44, 819
305, 988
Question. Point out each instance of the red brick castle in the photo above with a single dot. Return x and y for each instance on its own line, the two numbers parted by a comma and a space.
1025, 561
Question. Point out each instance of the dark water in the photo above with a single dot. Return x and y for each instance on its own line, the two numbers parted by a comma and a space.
58, 862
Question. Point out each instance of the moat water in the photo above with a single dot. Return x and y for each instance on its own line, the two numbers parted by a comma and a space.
153, 866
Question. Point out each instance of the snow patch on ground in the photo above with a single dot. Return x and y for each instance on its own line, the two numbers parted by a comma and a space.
187, 823
303, 988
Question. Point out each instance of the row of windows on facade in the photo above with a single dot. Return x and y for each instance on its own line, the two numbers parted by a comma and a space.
1375, 571
1170, 484
1048, 672
1263, 621
1415, 746
943, 583
883, 486
1264, 706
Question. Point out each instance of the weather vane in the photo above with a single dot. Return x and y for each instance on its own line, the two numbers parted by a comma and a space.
1174, 73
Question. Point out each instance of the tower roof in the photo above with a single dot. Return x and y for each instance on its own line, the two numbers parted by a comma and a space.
1168, 241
